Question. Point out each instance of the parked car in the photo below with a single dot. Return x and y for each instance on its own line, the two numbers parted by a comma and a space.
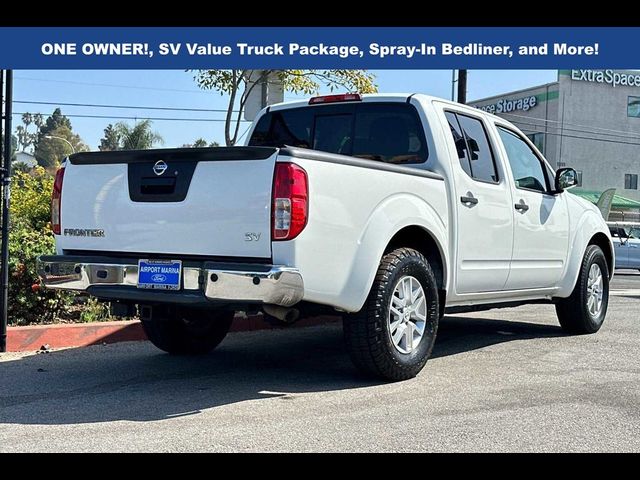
387, 209
626, 242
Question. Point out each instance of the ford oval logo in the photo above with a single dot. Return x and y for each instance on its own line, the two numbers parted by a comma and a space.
159, 278
160, 167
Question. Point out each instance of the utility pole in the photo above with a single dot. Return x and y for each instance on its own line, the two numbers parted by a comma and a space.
6, 81
462, 86
453, 85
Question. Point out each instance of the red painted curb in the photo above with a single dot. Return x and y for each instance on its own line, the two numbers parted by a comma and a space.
22, 339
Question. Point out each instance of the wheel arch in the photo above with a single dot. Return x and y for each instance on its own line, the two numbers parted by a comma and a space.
401, 217
590, 230
602, 240
420, 239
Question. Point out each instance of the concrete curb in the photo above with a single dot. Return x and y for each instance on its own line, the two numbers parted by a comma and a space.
29, 338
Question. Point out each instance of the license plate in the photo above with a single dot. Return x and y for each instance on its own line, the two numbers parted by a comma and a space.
159, 274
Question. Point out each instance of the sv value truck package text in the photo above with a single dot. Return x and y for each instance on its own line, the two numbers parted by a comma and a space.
390, 209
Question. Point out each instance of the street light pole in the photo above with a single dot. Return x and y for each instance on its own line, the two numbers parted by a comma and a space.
5, 174
73, 150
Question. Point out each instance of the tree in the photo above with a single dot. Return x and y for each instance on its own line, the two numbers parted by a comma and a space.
137, 137
201, 143
26, 138
308, 82
49, 151
52, 149
111, 139
54, 122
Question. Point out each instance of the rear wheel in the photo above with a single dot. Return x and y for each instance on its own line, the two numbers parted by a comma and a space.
393, 335
187, 331
584, 311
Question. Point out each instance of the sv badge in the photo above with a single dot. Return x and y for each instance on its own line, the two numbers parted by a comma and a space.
252, 237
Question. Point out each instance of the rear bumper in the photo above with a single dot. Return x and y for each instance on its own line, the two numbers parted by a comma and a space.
209, 281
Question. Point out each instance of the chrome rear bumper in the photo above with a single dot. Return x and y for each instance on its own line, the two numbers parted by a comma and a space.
269, 284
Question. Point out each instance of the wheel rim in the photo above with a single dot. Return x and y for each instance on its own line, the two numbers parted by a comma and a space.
407, 314
595, 290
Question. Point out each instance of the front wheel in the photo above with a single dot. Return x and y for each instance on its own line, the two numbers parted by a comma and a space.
393, 334
584, 311
187, 331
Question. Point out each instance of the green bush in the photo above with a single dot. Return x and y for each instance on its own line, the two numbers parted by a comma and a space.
94, 311
31, 236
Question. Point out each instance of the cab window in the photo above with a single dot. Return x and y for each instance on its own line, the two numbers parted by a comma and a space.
527, 168
387, 132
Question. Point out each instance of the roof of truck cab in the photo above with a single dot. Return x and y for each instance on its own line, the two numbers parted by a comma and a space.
383, 97
367, 97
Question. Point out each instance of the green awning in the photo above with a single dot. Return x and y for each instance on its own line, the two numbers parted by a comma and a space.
618, 200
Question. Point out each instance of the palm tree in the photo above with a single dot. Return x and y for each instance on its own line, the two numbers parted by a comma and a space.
137, 137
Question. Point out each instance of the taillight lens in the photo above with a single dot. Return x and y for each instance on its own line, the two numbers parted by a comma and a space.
342, 97
56, 196
290, 207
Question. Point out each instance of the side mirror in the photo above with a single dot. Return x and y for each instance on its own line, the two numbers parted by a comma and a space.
566, 178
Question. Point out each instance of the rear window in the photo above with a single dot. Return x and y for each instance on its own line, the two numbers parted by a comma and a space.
387, 132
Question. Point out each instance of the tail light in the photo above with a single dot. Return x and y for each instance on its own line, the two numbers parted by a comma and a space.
342, 97
56, 196
290, 207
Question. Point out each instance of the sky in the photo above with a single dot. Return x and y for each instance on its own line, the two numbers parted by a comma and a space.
177, 89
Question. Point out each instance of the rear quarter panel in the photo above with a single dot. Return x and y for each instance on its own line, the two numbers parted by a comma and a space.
353, 214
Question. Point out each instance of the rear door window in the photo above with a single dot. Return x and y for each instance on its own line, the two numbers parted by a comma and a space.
473, 147
387, 132
459, 141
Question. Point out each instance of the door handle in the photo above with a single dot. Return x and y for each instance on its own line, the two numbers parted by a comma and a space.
469, 200
521, 207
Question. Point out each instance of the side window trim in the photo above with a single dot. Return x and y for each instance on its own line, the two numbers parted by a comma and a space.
492, 150
543, 164
466, 146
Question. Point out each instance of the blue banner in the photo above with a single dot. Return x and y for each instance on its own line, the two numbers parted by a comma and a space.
314, 47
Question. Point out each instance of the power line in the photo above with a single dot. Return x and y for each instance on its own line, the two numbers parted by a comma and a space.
142, 117
579, 137
136, 107
576, 130
617, 133
92, 84
629, 134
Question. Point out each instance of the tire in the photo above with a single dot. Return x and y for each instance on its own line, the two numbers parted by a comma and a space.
577, 313
368, 333
187, 331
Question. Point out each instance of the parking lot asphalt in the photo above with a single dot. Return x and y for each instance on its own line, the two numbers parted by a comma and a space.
501, 380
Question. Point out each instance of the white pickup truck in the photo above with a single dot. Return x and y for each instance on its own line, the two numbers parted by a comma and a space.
390, 209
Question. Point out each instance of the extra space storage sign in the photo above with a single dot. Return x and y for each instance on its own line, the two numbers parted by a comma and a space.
505, 106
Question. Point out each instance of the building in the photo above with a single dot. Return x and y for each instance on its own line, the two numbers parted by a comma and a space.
26, 159
587, 119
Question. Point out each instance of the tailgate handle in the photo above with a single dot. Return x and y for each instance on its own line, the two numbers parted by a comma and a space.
157, 186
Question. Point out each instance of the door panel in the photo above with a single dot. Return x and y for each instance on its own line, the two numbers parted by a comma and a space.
621, 251
540, 241
541, 220
633, 250
485, 220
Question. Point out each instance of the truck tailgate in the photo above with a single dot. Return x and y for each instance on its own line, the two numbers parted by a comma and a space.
210, 202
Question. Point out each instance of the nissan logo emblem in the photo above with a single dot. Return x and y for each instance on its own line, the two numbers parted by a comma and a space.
160, 167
